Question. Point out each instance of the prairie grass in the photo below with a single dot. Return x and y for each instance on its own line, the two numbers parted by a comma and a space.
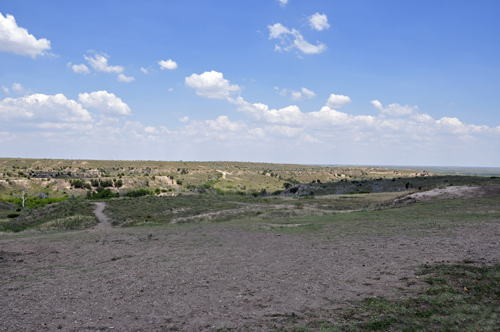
69, 223
67, 215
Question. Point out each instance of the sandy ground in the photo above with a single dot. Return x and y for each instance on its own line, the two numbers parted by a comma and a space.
448, 192
205, 277
451, 192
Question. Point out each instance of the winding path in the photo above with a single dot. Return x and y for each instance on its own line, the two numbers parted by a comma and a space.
103, 220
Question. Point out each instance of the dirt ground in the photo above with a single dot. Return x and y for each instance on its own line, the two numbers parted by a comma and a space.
207, 277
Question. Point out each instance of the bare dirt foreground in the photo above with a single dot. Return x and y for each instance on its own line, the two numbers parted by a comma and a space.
210, 276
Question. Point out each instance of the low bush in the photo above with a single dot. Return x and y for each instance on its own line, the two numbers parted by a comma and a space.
138, 193
106, 183
79, 184
103, 194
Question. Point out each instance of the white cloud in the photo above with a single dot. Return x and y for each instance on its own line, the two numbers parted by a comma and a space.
223, 123
37, 121
17, 40
107, 103
377, 105
291, 39
296, 95
284, 130
337, 101
100, 63
394, 109
307, 47
169, 64
79, 69
144, 70
211, 85
308, 93
126, 79
151, 130
5, 89
278, 31
281, 92
422, 118
170, 89
332, 126
283, 2
42, 108
184, 119
17, 88
318, 21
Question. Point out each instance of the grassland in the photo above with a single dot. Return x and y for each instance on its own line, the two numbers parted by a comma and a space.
55, 177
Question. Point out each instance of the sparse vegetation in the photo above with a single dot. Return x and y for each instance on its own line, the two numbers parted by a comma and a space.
254, 235
459, 297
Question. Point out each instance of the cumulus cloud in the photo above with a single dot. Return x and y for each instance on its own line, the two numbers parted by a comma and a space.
169, 64
394, 109
170, 89
79, 69
107, 103
318, 22
17, 40
99, 61
291, 39
337, 101
278, 31
55, 118
17, 88
330, 123
5, 89
144, 70
126, 79
43, 108
211, 85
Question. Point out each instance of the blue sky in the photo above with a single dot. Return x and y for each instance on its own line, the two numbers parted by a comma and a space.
317, 82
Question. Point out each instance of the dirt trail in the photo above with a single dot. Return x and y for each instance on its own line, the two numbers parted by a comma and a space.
103, 220
224, 173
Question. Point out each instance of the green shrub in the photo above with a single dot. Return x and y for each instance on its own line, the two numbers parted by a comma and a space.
106, 183
103, 194
138, 193
79, 184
